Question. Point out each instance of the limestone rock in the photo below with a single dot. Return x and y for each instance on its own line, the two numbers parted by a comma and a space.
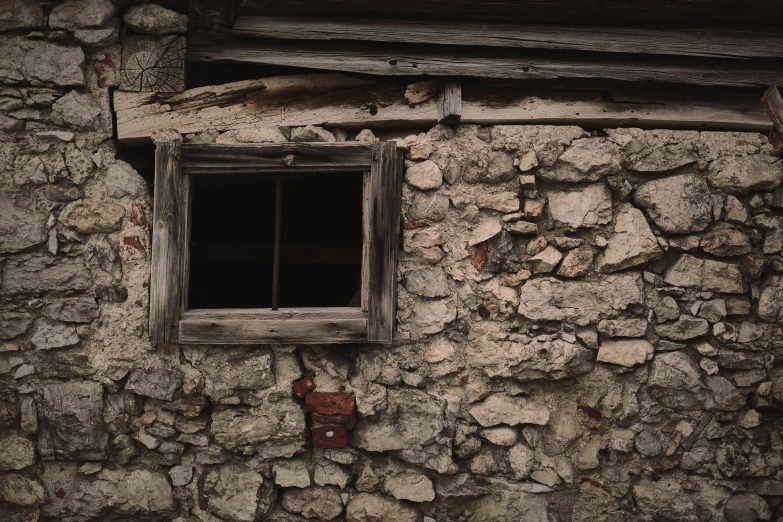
50, 335
664, 500
486, 229
739, 175
21, 14
157, 384
660, 159
276, 425
546, 260
746, 507
154, 19
705, 274
586, 159
16, 453
502, 409
14, 323
502, 201
431, 317
90, 216
559, 433
311, 133
409, 486
72, 310
23, 60
32, 172
725, 242
521, 459
548, 299
632, 243
725, 396
40, 273
428, 207
236, 370
674, 381
328, 473
237, 494
291, 474
623, 327
97, 37
322, 503
252, 135
666, 309
494, 167
577, 262
107, 255
626, 352
20, 226
424, 176
677, 204
367, 507
122, 180
771, 299
75, 14
19, 490
589, 207
77, 111
684, 328
181, 475
71, 421
500, 436
426, 282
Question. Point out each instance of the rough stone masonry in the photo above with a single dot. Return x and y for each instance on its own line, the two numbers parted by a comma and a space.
589, 324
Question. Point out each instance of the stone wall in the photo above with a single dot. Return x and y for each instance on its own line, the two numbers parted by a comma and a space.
588, 328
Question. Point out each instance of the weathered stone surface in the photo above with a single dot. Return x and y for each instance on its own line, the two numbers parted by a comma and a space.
16, 453
740, 175
50, 335
424, 176
291, 474
19, 490
677, 204
427, 282
232, 371
97, 37
154, 19
626, 352
485, 230
725, 396
632, 243
664, 500
431, 317
590, 206
366, 507
500, 436
23, 60
107, 256
428, 207
546, 260
660, 159
140, 492
122, 180
746, 507
623, 327
502, 201
90, 216
71, 421
684, 328
252, 135
13, 323
674, 381
311, 133
77, 111
502, 409
577, 262
40, 273
322, 503
725, 242
21, 14
409, 486
581, 303
705, 274
277, 426
72, 310
237, 494
771, 299
492, 167
586, 159
20, 226
74, 14
158, 384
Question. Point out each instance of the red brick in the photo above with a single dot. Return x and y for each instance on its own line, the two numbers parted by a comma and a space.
303, 386
345, 420
330, 403
326, 437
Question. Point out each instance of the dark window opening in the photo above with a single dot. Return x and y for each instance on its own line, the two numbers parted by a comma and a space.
232, 241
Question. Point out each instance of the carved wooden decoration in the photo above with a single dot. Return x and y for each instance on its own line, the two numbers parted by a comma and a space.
153, 64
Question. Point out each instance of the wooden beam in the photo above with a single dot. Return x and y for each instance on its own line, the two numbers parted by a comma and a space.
774, 104
714, 42
728, 12
311, 99
153, 63
450, 103
272, 158
259, 326
527, 64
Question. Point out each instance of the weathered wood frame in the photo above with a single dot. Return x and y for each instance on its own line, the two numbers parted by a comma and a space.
373, 321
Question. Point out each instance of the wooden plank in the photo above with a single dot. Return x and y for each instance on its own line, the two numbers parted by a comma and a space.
251, 326
273, 158
450, 103
384, 222
715, 42
366, 239
402, 60
617, 108
774, 104
167, 255
311, 99
729, 12
211, 16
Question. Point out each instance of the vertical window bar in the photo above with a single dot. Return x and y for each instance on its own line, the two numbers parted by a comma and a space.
276, 259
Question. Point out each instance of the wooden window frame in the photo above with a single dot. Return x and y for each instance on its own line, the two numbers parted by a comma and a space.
373, 322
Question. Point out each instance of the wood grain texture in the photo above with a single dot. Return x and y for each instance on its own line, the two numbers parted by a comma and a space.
450, 103
251, 326
167, 245
687, 41
153, 63
402, 60
384, 221
273, 158
774, 104
311, 99
729, 12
